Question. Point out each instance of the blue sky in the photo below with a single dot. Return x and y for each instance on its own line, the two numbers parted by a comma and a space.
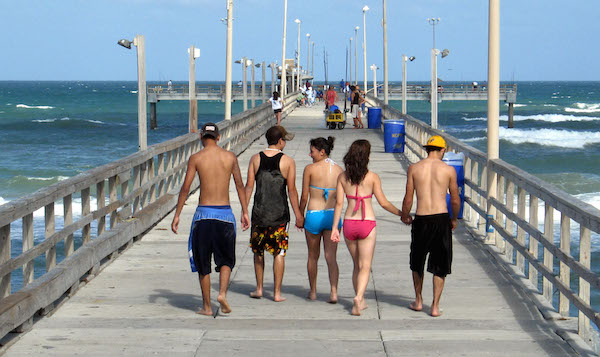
76, 39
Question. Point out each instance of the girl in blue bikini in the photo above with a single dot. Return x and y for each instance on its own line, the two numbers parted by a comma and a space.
319, 180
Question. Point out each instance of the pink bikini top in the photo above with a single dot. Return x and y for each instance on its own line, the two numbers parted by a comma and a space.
360, 202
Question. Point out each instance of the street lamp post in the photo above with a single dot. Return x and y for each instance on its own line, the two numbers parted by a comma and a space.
365, 9
385, 56
298, 60
434, 81
252, 91
355, 54
264, 87
312, 60
244, 81
493, 148
193, 115
283, 69
404, 58
308, 54
350, 60
138, 42
273, 67
228, 59
374, 68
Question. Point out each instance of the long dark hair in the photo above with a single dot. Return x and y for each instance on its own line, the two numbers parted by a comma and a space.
275, 95
356, 161
323, 144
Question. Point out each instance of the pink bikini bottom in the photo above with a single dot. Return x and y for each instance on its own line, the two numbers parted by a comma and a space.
358, 229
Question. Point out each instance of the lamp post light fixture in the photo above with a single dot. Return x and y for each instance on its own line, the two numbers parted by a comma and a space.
404, 59
364, 10
298, 60
374, 68
138, 42
355, 56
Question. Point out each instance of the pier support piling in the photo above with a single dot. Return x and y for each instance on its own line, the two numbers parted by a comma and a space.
153, 124
511, 114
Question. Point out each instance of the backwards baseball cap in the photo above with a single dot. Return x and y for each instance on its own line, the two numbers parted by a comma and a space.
436, 141
210, 129
278, 132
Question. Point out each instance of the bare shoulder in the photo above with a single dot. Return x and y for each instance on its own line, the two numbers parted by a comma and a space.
287, 160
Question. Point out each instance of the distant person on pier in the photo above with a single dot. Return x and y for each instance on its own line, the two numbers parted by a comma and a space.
213, 225
342, 86
319, 182
277, 106
330, 97
359, 185
432, 226
170, 85
275, 176
357, 100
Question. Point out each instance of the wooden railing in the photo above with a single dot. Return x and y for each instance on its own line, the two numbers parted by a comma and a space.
518, 232
132, 195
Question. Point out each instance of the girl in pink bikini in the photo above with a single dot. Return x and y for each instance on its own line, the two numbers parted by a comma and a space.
359, 185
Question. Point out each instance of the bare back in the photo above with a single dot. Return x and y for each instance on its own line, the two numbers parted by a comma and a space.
322, 174
431, 179
214, 166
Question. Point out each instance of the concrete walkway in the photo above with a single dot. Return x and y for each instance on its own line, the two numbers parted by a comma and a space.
144, 303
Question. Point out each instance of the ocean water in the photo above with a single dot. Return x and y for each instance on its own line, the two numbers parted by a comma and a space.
53, 130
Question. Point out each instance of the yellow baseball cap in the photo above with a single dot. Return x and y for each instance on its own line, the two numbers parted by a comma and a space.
436, 141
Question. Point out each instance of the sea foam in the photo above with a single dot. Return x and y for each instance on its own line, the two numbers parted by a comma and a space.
550, 137
552, 118
34, 106
584, 108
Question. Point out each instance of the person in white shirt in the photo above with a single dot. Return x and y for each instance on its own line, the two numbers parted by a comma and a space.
277, 105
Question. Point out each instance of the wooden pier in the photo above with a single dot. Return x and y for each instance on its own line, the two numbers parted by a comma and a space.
144, 299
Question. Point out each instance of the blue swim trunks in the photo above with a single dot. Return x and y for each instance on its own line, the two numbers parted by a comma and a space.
317, 221
212, 233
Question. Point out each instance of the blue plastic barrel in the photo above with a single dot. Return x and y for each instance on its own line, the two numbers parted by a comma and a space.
457, 160
374, 118
393, 135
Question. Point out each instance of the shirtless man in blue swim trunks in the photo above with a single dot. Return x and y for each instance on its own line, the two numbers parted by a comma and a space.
432, 226
213, 226
319, 181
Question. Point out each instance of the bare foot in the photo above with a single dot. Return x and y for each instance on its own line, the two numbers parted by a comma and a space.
332, 298
279, 298
225, 308
257, 294
416, 306
356, 307
205, 312
436, 312
312, 296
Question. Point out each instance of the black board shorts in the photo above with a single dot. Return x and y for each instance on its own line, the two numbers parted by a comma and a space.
216, 238
431, 235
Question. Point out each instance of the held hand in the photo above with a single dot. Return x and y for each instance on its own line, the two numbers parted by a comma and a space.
335, 236
407, 219
245, 221
300, 222
175, 224
454, 223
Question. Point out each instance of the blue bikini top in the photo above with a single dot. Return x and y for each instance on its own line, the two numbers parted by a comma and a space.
325, 191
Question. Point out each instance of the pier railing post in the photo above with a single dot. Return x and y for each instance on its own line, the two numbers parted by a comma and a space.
28, 244
50, 224
520, 231
547, 287
585, 258
565, 271
533, 243
4, 257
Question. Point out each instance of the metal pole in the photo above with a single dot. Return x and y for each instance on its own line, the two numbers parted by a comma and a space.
365, 49
264, 86
228, 60
312, 65
355, 55
350, 57
434, 88
298, 80
403, 84
308, 54
273, 75
385, 57
245, 84
283, 69
374, 68
138, 41
252, 91
493, 148
193, 118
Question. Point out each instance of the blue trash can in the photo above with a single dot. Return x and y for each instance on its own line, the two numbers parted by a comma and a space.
457, 160
393, 135
374, 118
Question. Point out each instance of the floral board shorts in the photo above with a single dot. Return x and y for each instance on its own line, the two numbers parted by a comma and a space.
272, 239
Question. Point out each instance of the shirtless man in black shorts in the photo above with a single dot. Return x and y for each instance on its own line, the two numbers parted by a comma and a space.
432, 227
213, 226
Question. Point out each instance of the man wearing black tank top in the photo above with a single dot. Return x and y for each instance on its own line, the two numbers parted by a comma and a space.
275, 176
